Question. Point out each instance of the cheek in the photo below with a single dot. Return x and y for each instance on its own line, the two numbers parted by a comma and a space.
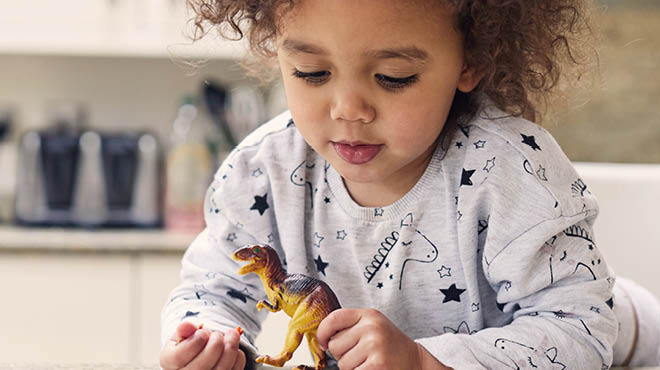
300, 102
307, 117
309, 120
418, 119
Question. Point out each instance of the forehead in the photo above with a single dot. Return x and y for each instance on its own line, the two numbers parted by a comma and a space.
365, 22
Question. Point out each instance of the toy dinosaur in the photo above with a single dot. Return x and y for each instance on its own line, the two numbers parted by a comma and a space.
305, 299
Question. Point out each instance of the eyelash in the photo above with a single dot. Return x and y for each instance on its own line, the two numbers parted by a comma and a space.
314, 78
390, 83
394, 83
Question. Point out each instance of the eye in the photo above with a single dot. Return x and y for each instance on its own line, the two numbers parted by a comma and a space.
395, 83
256, 250
313, 78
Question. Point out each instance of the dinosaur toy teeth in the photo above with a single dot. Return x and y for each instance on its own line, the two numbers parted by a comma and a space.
247, 268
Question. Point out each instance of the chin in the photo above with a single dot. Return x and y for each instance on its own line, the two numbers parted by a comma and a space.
358, 174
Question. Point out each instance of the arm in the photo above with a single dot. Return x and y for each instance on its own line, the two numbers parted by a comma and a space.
211, 292
558, 292
428, 361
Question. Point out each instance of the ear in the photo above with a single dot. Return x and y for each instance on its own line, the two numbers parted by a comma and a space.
469, 79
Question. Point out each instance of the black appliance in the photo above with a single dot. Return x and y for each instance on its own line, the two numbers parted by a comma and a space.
68, 178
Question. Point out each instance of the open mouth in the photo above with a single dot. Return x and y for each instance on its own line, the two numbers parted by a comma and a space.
246, 269
236, 256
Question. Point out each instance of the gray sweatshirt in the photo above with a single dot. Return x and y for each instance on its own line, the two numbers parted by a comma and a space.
489, 261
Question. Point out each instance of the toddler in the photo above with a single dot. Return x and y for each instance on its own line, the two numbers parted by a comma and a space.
408, 174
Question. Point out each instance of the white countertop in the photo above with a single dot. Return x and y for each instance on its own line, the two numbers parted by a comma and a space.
110, 240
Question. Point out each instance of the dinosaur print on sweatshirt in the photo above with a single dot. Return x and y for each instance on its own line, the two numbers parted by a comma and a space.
418, 249
523, 356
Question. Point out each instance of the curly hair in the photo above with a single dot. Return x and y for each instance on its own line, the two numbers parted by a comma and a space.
524, 48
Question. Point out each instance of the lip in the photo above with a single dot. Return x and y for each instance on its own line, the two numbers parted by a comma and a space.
352, 143
356, 152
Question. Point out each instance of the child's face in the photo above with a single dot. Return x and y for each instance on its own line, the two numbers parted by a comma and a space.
370, 83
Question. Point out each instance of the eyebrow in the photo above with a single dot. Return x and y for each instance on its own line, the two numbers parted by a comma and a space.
410, 53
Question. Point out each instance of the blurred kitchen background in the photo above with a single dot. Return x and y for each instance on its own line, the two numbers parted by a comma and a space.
112, 123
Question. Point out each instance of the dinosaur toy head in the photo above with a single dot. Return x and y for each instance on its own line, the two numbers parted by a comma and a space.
258, 255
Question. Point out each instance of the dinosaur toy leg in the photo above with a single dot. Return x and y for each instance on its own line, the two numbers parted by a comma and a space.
317, 352
291, 342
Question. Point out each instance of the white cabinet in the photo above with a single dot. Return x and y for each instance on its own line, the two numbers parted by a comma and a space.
157, 276
65, 308
73, 296
104, 28
83, 307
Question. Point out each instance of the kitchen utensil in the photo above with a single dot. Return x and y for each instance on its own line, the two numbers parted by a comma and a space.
215, 97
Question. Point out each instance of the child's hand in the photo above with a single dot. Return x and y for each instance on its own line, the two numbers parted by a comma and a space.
201, 349
365, 338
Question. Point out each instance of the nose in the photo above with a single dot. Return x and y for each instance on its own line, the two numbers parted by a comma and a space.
351, 106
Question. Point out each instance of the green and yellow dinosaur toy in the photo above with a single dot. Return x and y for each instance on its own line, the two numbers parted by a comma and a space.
305, 299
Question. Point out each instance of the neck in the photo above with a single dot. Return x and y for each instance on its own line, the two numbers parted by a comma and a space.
381, 194
272, 273
375, 195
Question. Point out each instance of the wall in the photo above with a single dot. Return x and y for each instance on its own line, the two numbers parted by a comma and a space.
118, 93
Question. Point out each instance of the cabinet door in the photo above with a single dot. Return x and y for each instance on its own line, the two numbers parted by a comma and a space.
65, 308
158, 275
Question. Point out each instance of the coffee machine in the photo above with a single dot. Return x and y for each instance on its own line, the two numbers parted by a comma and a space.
89, 179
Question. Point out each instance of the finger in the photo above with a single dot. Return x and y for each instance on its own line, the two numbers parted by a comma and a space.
354, 358
230, 350
336, 321
177, 355
185, 330
209, 355
357, 357
342, 342
239, 364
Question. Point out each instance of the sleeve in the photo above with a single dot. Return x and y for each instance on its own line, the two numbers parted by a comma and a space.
560, 296
211, 291
538, 257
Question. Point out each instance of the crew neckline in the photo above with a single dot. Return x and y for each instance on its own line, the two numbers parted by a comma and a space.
394, 210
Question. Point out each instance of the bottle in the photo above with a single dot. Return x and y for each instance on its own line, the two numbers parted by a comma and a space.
189, 169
